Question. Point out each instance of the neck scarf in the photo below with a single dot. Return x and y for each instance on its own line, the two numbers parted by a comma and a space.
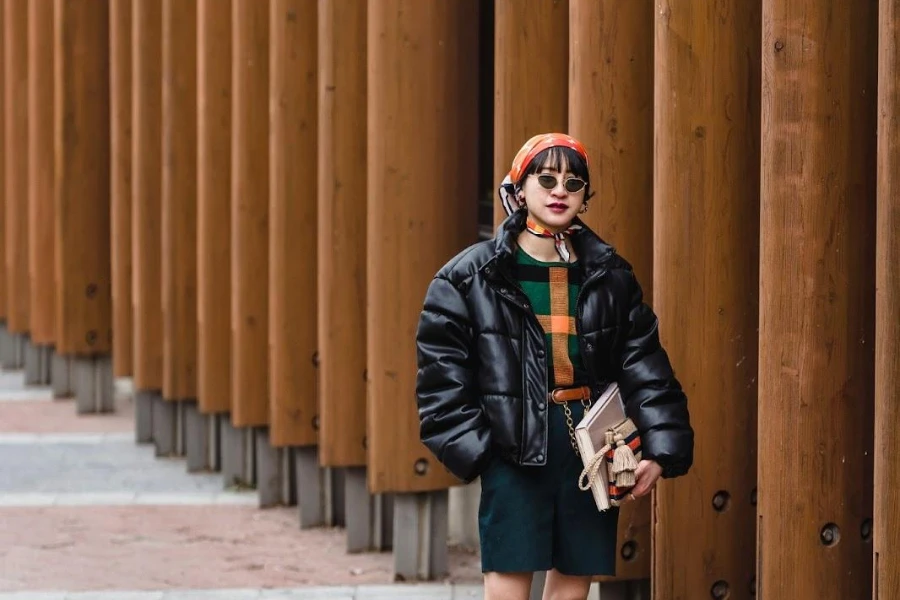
559, 239
509, 190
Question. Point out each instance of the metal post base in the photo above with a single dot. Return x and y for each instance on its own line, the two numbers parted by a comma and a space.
61, 376
270, 465
237, 455
463, 525
7, 348
93, 384
311, 483
622, 590
199, 438
37, 363
420, 535
12, 349
537, 585
144, 401
165, 426
370, 518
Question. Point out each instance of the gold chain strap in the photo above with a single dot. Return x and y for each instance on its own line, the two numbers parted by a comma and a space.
568, 412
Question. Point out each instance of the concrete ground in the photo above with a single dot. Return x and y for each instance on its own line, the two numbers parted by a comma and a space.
85, 513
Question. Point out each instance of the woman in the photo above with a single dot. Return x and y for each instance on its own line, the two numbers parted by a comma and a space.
517, 335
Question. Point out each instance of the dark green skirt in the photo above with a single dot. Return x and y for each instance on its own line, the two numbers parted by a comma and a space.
536, 518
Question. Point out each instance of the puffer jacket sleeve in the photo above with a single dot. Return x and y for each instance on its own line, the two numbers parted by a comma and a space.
654, 397
452, 423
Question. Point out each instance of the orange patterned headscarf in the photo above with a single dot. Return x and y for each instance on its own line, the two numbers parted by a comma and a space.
509, 186
523, 158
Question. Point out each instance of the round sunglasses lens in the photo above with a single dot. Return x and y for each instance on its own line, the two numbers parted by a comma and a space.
547, 182
574, 185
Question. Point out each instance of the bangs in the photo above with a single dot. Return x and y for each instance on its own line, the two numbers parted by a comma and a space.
561, 159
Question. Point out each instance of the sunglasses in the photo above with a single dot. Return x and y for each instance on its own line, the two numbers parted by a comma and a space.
549, 182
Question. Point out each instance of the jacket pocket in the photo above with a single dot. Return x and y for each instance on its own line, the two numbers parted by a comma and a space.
504, 415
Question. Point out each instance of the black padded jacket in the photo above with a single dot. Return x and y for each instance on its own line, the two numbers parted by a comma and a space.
482, 373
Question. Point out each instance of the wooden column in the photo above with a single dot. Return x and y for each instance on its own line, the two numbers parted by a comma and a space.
611, 112
292, 242
42, 292
531, 66
887, 309
146, 210
214, 205
120, 106
342, 233
179, 199
3, 275
82, 190
421, 127
15, 66
250, 214
817, 282
706, 253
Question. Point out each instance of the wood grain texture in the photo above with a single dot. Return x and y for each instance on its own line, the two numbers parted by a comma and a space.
120, 107
15, 89
292, 241
422, 127
42, 293
705, 271
531, 66
214, 205
146, 208
887, 309
179, 199
81, 167
3, 276
817, 300
250, 214
342, 233
611, 112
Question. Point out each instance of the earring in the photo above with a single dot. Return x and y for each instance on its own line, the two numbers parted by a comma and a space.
583, 209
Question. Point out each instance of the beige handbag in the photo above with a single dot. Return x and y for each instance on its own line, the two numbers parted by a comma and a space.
610, 449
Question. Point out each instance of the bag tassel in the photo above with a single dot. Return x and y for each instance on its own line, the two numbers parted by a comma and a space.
624, 464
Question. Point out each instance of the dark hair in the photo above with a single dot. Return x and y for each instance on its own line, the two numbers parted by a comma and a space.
555, 158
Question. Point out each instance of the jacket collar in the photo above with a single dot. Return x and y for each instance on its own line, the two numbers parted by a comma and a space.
593, 253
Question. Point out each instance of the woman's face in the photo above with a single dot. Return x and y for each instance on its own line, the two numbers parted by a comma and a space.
553, 209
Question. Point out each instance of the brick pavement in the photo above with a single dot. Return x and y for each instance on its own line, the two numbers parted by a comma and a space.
87, 513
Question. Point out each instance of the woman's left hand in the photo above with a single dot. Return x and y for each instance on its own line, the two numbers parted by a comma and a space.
646, 476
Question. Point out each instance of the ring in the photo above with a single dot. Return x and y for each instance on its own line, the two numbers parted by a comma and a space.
632, 496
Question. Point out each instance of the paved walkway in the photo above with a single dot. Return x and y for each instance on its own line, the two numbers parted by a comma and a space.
85, 513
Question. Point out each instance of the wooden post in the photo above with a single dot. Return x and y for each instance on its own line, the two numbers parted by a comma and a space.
214, 205
887, 310
531, 66
342, 233
421, 127
706, 231
16, 115
292, 242
120, 106
611, 112
82, 190
817, 282
40, 173
250, 214
4, 306
179, 199
146, 153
